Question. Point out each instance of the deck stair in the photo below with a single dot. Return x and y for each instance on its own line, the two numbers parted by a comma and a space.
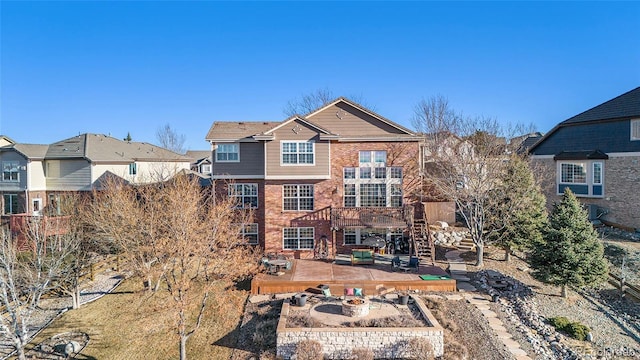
422, 242
466, 244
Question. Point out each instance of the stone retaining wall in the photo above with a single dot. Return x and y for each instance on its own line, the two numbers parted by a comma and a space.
338, 343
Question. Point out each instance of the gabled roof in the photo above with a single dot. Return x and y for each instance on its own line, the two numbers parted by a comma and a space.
103, 148
625, 106
363, 109
197, 156
297, 118
236, 130
29, 151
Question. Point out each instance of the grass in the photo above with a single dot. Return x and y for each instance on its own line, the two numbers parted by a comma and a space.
130, 324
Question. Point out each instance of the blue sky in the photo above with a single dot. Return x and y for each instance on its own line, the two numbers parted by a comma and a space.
118, 67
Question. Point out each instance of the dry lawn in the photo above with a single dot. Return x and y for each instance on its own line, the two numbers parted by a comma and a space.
130, 324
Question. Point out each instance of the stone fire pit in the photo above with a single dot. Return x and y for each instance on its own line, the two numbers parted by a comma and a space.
355, 307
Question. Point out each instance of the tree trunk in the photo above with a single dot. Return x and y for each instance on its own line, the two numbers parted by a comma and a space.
75, 297
507, 254
20, 353
183, 347
479, 255
564, 291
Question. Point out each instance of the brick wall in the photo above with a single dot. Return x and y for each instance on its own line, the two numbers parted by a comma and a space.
621, 188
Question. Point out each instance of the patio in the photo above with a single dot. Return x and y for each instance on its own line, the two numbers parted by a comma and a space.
307, 275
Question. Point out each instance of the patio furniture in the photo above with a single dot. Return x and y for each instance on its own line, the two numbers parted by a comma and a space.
362, 256
414, 263
395, 263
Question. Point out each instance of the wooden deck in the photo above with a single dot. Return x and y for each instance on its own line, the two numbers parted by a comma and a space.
309, 274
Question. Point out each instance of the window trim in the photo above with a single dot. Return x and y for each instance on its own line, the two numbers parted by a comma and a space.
298, 153
245, 233
298, 238
133, 169
218, 152
11, 202
242, 196
298, 197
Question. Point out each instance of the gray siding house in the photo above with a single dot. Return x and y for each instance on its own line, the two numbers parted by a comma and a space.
596, 154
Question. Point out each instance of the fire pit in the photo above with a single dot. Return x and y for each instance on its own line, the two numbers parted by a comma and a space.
355, 307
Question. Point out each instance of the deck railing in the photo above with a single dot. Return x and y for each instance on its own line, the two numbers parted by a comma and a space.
371, 217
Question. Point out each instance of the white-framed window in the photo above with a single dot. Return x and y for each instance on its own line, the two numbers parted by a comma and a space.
396, 195
349, 173
228, 152
297, 152
373, 158
297, 197
10, 171
133, 169
585, 178
205, 169
373, 195
300, 238
396, 172
351, 237
10, 203
349, 195
365, 173
250, 233
246, 195
635, 129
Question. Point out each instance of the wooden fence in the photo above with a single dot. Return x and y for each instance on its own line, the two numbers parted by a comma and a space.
628, 289
440, 211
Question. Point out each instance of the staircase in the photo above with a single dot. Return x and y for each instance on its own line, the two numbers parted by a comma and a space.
466, 244
422, 242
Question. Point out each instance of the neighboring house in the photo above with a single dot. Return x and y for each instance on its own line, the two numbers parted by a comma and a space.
319, 183
596, 154
36, 176
200, 161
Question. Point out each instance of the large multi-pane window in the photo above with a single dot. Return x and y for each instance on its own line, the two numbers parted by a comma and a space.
574, 173
10, 171
349, 195
297, 238
373, 158
228, 153
396, 195
246, 195
297, 197
250, 233
372, 195
10, 203
297, 153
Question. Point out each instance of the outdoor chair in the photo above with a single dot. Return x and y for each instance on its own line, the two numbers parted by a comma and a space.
326, 293
395, 263
414, 262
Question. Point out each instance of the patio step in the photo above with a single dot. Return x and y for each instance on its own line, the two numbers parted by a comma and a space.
466, 244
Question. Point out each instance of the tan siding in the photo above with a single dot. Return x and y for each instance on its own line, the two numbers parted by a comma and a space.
251, 161
353, 122
304, 133
68, 174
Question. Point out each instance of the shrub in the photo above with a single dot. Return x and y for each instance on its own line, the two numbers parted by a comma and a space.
420, 349
453, 350
574, 329
362, 354
309, 350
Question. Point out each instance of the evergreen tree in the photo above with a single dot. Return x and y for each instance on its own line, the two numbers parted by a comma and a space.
519, 215
570, 252
128, 138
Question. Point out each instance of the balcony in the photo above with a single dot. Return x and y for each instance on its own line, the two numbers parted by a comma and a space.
371, 217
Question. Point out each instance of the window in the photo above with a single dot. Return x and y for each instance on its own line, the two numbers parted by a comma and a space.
350, 236
10, 171
584, 178
379, 158
10, 203
228, 153
349, 195
365, 173
396, 172
635, 129
396, 195
297, 153
373, 195
381, 173
205, 169
250, 232
133, 169
297, 238
246, 195
365, 157
297, 197
349, 173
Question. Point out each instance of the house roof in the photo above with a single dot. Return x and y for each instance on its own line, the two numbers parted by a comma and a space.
103, 148
621, 107
235, 130
197, 156
29, 151
581, 155
625, 105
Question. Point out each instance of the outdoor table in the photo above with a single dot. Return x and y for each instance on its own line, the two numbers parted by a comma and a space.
278, 264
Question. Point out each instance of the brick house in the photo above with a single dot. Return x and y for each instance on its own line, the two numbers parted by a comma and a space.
596, 154
320, 183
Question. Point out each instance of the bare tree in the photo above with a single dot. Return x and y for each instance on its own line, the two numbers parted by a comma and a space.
28, 265
308, 103
183, 239
463, 160
169, 139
